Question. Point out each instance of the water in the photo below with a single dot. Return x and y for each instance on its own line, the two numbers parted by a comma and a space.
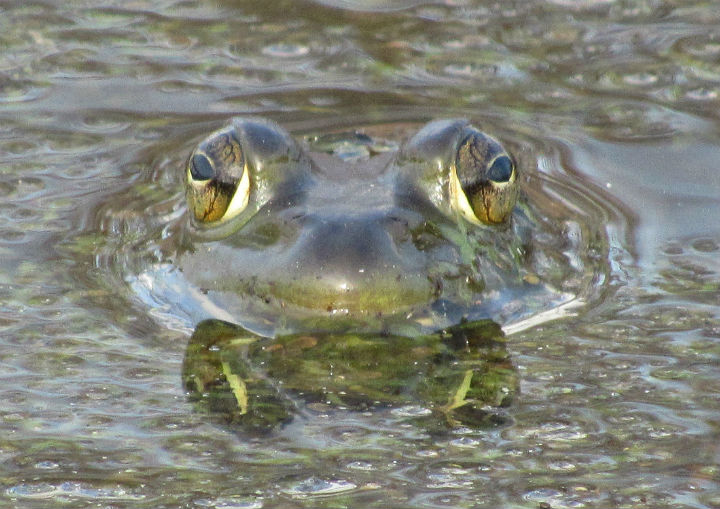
619, 405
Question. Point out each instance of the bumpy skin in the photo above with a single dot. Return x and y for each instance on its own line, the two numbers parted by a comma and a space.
349, 253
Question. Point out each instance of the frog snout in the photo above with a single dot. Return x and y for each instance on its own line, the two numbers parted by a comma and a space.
348, 246
364, 264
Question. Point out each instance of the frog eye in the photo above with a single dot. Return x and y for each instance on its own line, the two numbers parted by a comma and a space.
217, 180
483, 180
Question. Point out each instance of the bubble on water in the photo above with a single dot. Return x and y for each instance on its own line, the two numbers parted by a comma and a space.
543, 496
102, 122
427, 453
640, 79
28, 187
46, 465
229, 503
465, 443
15, 92
562, 466
324, 101
699, 46
499, 70
351, 152
705, 245
361, 465
286, 50
701, 94
72, 489
40, 490
317, 487
673, 249
8, 236
411, 411
579, 5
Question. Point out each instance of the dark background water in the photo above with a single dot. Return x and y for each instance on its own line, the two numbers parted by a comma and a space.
619, 406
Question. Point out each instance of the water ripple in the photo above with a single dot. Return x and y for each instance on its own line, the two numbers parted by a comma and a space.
618, 405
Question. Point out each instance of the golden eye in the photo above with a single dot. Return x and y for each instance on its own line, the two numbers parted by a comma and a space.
218, 183
483, 180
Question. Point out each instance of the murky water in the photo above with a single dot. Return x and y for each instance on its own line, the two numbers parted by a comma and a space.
613, 105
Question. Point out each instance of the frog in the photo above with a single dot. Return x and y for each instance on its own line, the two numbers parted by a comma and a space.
362, 284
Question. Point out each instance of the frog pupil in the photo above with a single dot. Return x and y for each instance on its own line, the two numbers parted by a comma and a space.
501, 170
201, 169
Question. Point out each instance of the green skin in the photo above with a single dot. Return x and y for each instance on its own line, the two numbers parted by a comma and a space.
342, 269
460, 376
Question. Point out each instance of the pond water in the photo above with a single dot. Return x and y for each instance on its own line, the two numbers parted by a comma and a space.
610, 105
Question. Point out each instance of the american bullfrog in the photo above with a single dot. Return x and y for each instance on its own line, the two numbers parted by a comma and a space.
278, 237
352, 285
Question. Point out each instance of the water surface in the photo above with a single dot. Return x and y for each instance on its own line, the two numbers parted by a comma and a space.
612, 104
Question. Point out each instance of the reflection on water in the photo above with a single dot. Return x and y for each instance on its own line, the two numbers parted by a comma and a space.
613, 101
457, 377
